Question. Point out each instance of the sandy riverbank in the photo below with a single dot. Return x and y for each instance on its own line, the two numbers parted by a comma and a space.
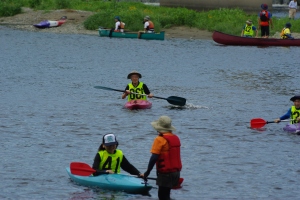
74, 24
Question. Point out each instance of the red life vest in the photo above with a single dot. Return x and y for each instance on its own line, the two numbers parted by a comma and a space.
264, 18
170, 161
150, 27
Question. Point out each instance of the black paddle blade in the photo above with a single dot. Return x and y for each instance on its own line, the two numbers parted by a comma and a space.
179, 101
107, 88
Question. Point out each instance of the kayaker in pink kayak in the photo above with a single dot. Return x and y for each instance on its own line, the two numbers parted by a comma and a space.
109, 159
166, 154
293, 113
136, 87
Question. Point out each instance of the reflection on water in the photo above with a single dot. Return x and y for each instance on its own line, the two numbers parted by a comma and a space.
51, 114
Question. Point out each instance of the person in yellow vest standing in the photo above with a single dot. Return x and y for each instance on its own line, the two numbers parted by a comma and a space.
286, 32
109, 159
249, 29
136, 87
292, 9
293, 113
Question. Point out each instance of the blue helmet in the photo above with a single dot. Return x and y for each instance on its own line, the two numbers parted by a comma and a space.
264, 6
118, 18
288, 25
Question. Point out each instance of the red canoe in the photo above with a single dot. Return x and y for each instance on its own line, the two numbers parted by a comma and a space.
223, 38
138, 104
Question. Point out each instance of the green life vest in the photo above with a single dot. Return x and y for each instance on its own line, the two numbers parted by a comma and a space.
111, 161
248, 30
294, 114
138, 89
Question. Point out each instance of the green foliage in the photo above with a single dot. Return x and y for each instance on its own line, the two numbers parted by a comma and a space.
34, 3
61, 4
9, 8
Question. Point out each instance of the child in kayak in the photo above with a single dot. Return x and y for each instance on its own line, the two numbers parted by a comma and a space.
109, 159
137, 87
293, 113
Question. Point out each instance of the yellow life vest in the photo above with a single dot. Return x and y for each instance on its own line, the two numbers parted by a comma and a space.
111, 161
248, 30
284, 32
294, 114
138, 89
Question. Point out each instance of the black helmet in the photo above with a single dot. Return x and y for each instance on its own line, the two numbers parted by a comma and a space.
288, 25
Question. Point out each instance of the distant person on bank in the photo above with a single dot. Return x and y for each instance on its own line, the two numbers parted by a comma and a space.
264, 21
292, 9
249, 29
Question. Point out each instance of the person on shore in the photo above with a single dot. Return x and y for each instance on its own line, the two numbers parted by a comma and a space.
148, 26
293, 113
264, 21
109, 159
249, 29
166, 154
119, 25
286, 32
292, 9
136, 87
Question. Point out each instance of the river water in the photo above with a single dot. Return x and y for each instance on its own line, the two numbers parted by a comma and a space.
51, 115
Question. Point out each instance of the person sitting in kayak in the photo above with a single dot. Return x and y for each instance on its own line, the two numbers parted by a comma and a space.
109, 159
136, 87
148, 26
249, 29
293, 112
286, 32
119, 25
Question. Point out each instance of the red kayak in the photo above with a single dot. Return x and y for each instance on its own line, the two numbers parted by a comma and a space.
138, 104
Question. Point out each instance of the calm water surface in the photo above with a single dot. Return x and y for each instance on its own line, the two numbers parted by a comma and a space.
51, 115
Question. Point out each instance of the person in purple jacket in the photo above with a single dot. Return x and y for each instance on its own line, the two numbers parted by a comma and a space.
293, 113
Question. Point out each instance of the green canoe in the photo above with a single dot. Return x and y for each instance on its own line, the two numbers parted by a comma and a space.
147, 36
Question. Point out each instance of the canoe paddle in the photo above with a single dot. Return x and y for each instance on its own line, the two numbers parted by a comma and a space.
83, 169
259, 122
179, 101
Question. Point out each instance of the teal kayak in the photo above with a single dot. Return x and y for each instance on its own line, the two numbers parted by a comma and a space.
116, 182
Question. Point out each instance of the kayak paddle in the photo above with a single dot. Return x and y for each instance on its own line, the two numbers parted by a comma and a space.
179, 101
259, 122
83, 169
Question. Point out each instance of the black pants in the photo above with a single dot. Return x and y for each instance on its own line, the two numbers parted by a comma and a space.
164, 193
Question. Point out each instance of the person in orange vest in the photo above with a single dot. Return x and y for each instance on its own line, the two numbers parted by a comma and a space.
264, 21
148, 26
119, 25
166, 155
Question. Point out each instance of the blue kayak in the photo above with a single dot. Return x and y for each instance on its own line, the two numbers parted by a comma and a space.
116, 182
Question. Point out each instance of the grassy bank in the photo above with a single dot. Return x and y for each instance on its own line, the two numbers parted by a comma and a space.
132, 13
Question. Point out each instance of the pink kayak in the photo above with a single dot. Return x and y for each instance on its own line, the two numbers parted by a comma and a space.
138, 104
292, 128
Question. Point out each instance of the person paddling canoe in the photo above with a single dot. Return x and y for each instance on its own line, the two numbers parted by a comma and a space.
166, 154
136, 87
293, 113
109, 159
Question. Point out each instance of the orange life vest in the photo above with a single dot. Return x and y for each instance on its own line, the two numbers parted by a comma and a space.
170, 161
151, 26
264, 18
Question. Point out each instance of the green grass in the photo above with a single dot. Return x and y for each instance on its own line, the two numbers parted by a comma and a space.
132, 13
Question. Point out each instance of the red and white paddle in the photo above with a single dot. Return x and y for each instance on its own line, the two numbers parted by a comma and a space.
259, 122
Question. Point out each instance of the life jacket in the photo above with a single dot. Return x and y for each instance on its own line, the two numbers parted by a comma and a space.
138, 89
151, 26
248, 30
111, 161
264, 18
120, 26
294, 114
170, 161
283, 33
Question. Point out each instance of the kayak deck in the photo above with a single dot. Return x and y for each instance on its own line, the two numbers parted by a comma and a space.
138, 104
115, 182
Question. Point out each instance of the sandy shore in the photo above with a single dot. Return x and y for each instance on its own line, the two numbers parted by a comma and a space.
74, 24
